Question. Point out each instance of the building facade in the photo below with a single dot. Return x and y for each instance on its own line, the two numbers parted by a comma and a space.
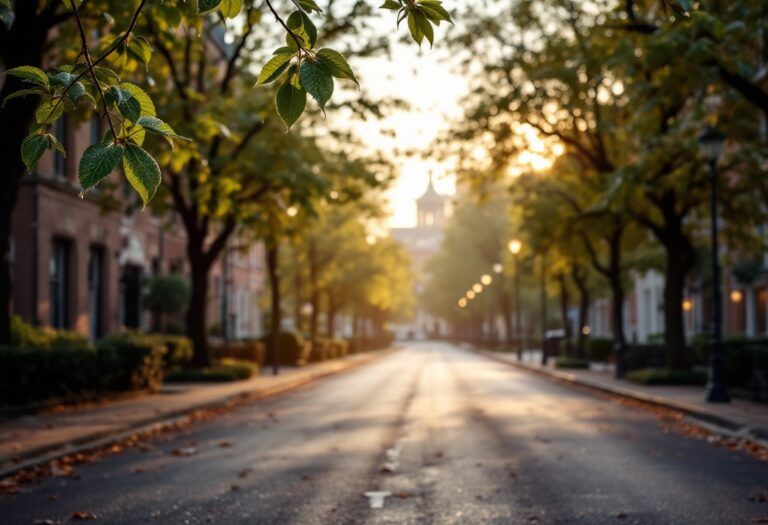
422, 242
82, 263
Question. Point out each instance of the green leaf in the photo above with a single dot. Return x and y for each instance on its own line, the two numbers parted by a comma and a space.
158, 127
285, 50
309, 6
392, 5
128, 106
32, 149
49, 111
30, 74
336, 64
425, 26
436, 9
23, 93
62, 78
76, 92
97, 162
147, 106
274, 67
230, 8
203, 6
54, 143
316, 80
7, 16
300, 24
290, 101
140, 48
142, 171
415, 28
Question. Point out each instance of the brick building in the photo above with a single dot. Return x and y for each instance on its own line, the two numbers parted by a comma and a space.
80, 267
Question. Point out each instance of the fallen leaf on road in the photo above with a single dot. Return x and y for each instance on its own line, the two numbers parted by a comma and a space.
225, 444
534, 519
244, 473
44, 522
234, 488
80, 515
185, 451
403, 495
621, 515
760, 520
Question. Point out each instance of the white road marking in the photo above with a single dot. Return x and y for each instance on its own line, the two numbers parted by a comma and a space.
376, 499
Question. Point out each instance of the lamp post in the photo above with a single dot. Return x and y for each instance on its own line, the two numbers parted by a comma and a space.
514, 248
711, 143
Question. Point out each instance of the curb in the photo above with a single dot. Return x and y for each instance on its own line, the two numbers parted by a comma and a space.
712, 422
89, 442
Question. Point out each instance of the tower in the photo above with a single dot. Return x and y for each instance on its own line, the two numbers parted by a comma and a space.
430, 208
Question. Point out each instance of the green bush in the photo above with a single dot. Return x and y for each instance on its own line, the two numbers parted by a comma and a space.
667, 376
292, 350
223, 371
246, 350
641, 356
34, 376
320, 350
137, 358
657, 338
179, 349
571, 362
745, 358
24, 335
600, 349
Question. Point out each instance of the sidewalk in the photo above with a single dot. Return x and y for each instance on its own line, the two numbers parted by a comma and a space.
36, 439
741, 418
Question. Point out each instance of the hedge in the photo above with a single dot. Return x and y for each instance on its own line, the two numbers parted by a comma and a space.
292, 349
36, 376
246, 350
226, 370
600, 349
571, 362
667, 376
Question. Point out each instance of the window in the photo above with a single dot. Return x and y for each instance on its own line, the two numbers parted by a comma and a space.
95, 129
762, 314
59, 283
96, 291
61, 131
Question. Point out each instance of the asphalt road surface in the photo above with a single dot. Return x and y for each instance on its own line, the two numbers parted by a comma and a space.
452, 437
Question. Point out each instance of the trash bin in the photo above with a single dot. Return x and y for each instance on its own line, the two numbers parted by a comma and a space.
551, 344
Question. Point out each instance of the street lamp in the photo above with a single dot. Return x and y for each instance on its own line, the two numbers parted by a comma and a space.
514, 248
711, 143
470, 295
486, 279
498, 268
477, 287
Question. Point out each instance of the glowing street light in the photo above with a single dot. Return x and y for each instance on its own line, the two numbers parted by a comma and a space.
462, 302
371, 239
498, 268
292, 211
514, 246
470, 295
486, 279
477, 287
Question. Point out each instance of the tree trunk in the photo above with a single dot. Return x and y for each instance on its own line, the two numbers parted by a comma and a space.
580, 278
197, 310
564, 313
617, 316
23, 44
297, 289
330, 320
314, 290
679, 261
274, 283
506, 312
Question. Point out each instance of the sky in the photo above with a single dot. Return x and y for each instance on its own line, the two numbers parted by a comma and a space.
424, 78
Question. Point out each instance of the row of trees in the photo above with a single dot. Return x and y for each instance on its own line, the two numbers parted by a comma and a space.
625, 88
229, 167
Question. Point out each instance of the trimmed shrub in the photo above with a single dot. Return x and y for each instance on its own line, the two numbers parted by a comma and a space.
600, 349
178, 349
638, 357
320, 351
137, 360
24, 335
292, 350
667, 376
35, 376
571, 362
226, 370
246, 350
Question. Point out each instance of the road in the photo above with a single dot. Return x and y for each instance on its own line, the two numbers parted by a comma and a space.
453, 437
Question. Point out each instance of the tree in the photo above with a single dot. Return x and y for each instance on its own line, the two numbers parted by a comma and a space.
84, 78
167, 294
